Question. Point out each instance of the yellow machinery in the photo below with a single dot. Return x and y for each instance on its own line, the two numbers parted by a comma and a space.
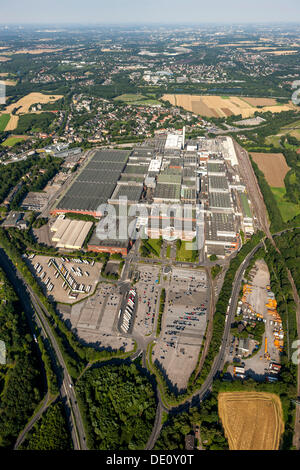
267, 355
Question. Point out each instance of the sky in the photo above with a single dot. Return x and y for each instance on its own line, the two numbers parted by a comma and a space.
148, 11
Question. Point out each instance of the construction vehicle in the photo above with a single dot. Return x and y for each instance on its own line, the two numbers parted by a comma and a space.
266, 355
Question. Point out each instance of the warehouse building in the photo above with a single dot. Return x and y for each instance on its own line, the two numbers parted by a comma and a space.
220, 202
132, 192
35, 201
116, 243
95, 183
70, 234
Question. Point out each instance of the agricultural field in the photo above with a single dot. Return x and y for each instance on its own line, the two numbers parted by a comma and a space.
9, 82
220, 106
13, 140
261, 101
27, 101
273, 166
37, 51
12, 123
4, 119
251, 420
288, 209
23, 106
292, 130
137, 99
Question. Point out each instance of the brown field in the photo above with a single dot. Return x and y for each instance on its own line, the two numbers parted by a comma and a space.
282, 52
12, 123
262, 48
251, 420
9, 82
28, 100
36, 51
216, 106
24, 104
273, 166
261, 101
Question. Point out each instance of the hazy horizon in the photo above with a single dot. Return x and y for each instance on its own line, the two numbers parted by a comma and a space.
118, 12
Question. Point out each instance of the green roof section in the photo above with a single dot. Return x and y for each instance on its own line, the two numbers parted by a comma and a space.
169, 179
245, 205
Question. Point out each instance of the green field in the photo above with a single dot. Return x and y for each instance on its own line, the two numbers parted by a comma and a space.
168, 252
155, 243
287, 209
11, 141
4, 119
129, 97
183, 254
150, 247
137, 99
274, 140
289, 126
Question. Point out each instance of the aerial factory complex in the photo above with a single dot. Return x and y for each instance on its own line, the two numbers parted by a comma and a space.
204, 174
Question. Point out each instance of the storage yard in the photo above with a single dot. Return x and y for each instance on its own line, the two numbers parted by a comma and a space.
183, 325
65, 279
258, 305
96, 319
251, 420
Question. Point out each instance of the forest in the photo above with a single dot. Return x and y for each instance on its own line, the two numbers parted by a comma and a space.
119, 407
172, 435
12, 174
21, 381
50, 432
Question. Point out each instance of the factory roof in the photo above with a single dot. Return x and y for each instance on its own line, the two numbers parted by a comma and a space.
219, 200
96, 181
218, 182
167, 191
170, 179
132, 192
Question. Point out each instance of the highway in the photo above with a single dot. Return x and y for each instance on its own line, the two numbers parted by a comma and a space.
28, 298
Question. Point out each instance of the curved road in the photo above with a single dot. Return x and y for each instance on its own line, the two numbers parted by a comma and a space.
219, 361
28, 298
32, 422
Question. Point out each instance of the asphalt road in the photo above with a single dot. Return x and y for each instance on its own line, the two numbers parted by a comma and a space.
67, 390
219, 361
28, 298
32, 422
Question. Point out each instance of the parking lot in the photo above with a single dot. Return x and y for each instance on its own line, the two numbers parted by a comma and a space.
84, 274
183, 325
95, 319
148, 290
